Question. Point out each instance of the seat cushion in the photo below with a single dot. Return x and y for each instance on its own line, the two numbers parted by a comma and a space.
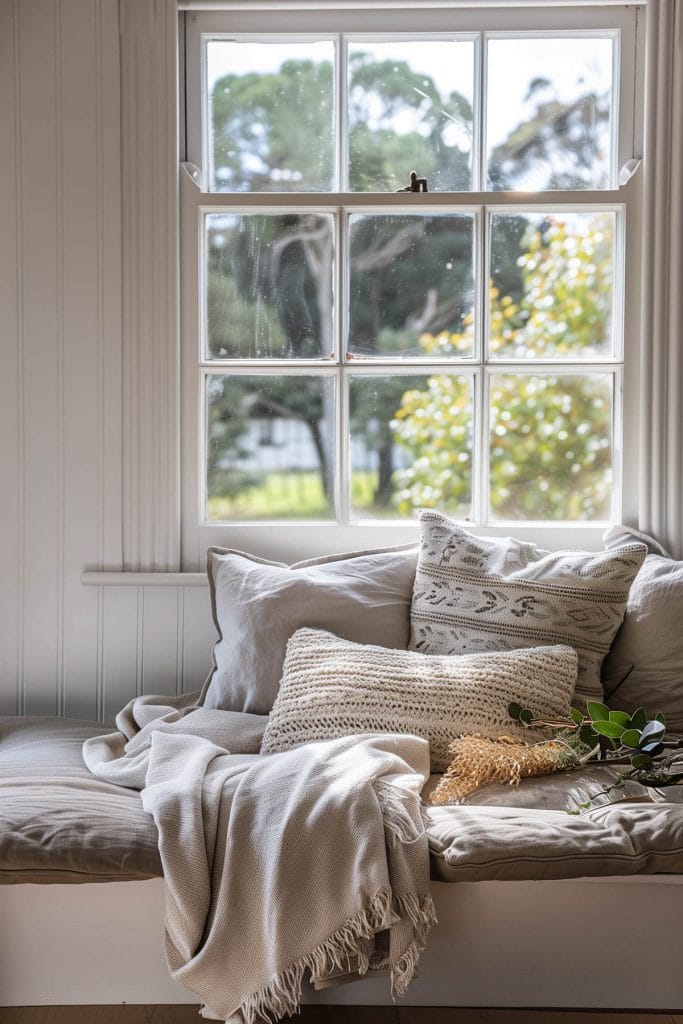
526, 833
58, 823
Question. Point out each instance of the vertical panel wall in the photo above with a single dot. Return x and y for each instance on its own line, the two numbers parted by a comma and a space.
69, 359
11, 365
60, 369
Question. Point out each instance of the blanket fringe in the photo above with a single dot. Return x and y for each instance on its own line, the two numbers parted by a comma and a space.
399, 823
282, 995
422, 915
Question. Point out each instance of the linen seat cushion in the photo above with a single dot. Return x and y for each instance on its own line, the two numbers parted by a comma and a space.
647, 653
494, 594
332, 687
257, 605
58, 823
512, 843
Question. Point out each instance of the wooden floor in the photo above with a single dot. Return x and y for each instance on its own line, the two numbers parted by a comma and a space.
329, 1015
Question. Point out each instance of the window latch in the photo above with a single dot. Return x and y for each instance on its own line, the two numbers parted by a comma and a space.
629, 169
415, 185
193, 173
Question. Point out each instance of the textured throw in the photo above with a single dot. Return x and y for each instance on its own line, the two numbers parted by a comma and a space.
332, 687
495, 594
314, 860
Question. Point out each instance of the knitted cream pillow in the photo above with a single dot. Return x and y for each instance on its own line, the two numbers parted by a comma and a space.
495, 594
333, 687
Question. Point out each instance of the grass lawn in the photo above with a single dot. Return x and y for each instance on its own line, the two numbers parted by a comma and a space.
293, 496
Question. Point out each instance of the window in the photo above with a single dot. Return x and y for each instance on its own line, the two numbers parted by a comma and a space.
353, 352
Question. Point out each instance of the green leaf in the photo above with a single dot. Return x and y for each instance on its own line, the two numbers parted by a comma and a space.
620, 717
630, 738
576, 716
597, 711
514, 710
587, 735
661, 718
526, 716
609, 729
638, 719
652, 733
641, 760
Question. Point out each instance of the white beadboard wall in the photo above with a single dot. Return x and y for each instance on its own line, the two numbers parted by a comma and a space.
66, 648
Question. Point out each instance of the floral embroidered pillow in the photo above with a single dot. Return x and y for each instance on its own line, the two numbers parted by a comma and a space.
475, 594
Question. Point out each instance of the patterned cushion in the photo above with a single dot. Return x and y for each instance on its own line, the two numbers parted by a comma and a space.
332, 687
491, 594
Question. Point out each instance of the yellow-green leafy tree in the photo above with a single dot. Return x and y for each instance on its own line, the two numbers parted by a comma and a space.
549, 432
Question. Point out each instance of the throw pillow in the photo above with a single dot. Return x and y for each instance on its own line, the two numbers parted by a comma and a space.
257, 605
649, 644
494, 594
332, 687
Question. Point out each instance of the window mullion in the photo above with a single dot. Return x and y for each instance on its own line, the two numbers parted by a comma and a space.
342, 455
480, 468
432, 202
341, 114
479, 454
617, 444
479, 122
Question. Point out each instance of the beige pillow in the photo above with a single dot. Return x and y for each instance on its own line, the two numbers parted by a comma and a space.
257, 605
332, 687
496, 594
649, 644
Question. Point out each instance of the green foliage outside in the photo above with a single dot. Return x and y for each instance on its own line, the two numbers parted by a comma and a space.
269, 294
273, 495
262, 141
550, 447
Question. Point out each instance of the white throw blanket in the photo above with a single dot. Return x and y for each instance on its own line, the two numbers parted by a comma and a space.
311, 860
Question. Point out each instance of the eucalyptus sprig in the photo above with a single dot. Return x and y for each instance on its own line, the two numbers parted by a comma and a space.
615, 738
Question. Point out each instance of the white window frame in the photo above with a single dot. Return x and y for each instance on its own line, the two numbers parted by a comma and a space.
291, 540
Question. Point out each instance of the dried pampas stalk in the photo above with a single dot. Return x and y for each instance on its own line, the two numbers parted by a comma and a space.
478, 761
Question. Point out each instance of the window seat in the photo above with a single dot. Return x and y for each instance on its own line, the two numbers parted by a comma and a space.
60, 825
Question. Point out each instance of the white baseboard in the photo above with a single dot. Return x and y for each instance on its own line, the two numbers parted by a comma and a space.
587, 943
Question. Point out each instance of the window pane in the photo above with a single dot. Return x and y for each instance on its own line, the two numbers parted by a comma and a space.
269, 286
411, 444
271, 116
552, 286
411, 285
551, 446
410, 108
548, 113
270, 447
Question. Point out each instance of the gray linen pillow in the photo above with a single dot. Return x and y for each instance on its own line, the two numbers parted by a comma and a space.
332, 687
497, 594
257, 605
649, 644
